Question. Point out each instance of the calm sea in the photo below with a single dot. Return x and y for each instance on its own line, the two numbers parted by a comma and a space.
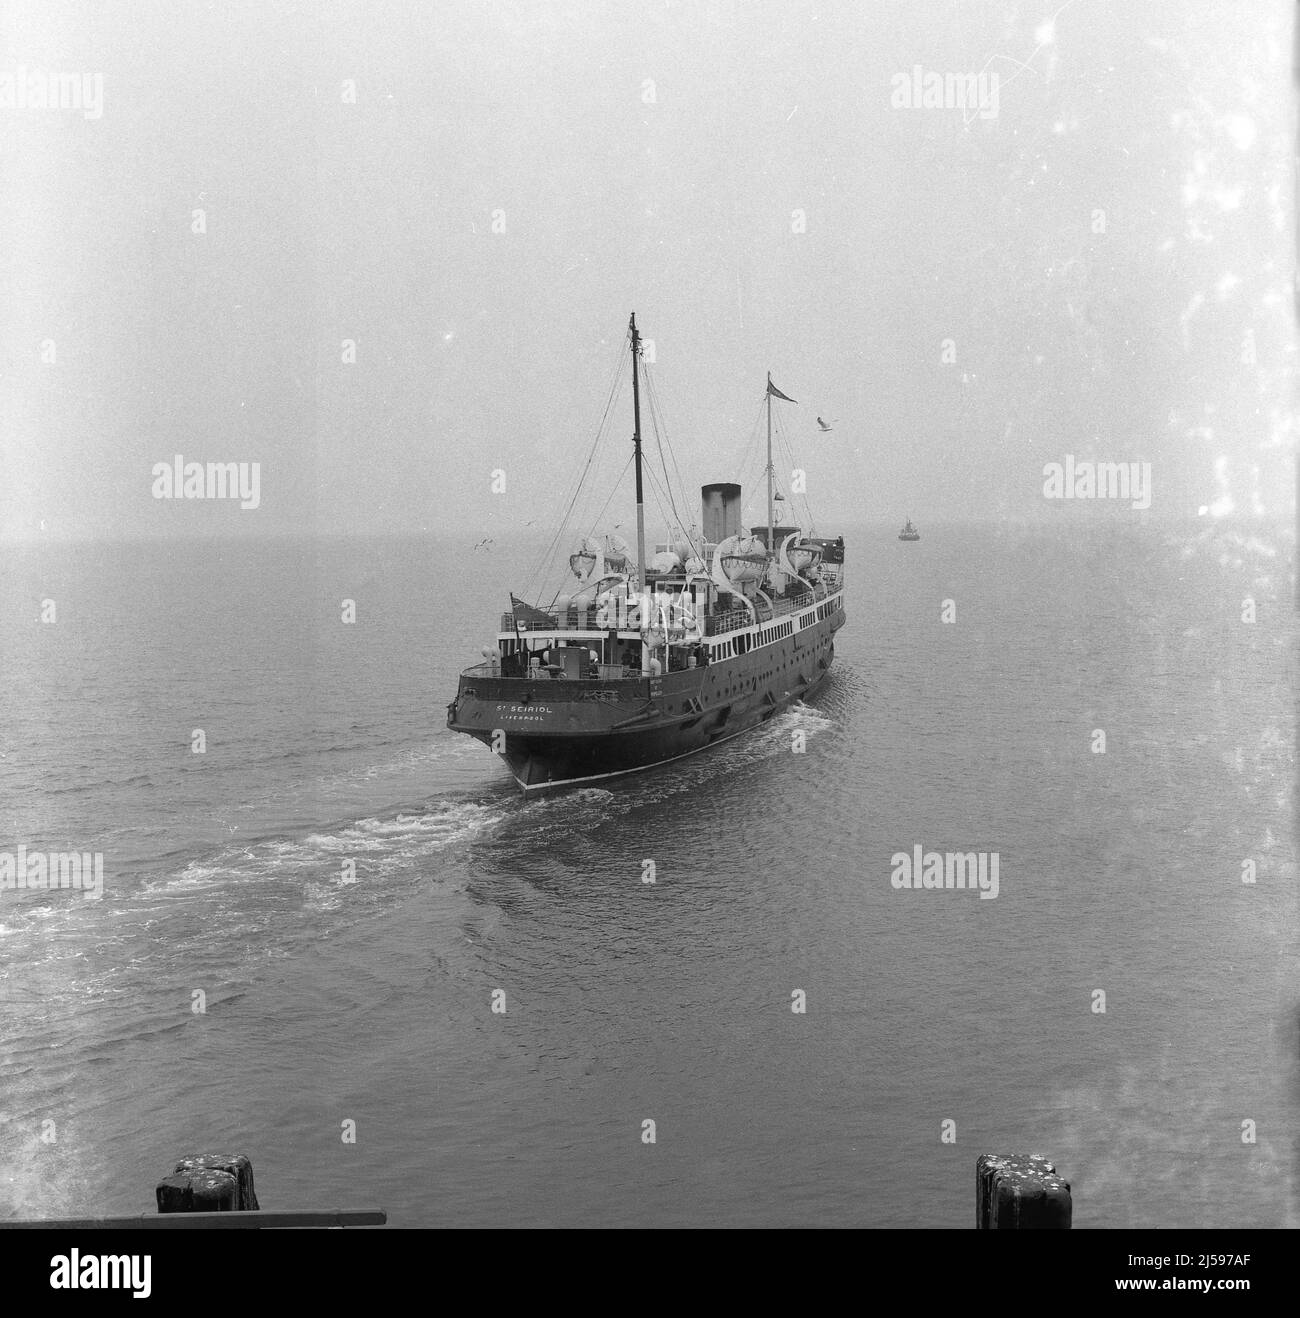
937, 1026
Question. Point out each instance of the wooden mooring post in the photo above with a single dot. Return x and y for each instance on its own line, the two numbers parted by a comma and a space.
208, 1183
1020, 1192
210, 1191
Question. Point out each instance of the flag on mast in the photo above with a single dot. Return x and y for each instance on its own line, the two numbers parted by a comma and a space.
776, 393
526, 613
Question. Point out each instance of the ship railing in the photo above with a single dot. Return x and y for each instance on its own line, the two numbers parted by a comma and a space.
726, 622
781, 606
605, 673
584, 620
575, 620
554, 623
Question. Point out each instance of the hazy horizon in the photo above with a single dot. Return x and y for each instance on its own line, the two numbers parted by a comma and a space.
1078, 519
475, 200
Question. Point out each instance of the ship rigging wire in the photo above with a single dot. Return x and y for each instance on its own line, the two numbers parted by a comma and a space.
599, 517
755, 450
615, 392
659, 424
663, 492
782, 438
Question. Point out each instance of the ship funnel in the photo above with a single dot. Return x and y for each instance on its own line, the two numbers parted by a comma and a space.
720, 507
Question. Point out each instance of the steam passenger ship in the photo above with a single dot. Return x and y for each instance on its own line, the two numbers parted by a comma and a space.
644, 661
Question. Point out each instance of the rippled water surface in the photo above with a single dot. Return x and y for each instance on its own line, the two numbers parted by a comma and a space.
370, 1001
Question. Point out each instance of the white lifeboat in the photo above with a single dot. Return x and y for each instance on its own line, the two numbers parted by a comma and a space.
803, 556
618, 554
744, 559
582, 563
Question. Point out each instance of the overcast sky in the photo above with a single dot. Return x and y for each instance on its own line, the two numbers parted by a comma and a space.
1110, 253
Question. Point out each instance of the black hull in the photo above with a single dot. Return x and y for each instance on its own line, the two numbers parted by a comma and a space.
547, 763
579, 740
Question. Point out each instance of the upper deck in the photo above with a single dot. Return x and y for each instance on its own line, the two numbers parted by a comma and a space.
584, 620
731, 635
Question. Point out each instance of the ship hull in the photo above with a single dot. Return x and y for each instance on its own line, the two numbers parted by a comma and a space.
542, 764
557, 734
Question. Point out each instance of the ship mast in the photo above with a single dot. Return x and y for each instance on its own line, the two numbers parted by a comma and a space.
770, 551
636, 441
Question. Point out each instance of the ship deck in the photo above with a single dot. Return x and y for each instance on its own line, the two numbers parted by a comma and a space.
584, 620
555, 728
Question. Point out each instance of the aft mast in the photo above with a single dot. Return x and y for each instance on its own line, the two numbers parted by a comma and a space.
771, 552
636, 442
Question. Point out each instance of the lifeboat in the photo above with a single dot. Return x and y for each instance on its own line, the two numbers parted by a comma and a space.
618, 555
745, 560
583, 562
804, 555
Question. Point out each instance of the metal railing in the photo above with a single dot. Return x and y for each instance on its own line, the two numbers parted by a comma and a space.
607, 673
713, 624
579, 620
585, 620
553, 624
726, 622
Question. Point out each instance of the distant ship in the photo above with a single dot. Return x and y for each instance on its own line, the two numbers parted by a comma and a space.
648, 660
909, 532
